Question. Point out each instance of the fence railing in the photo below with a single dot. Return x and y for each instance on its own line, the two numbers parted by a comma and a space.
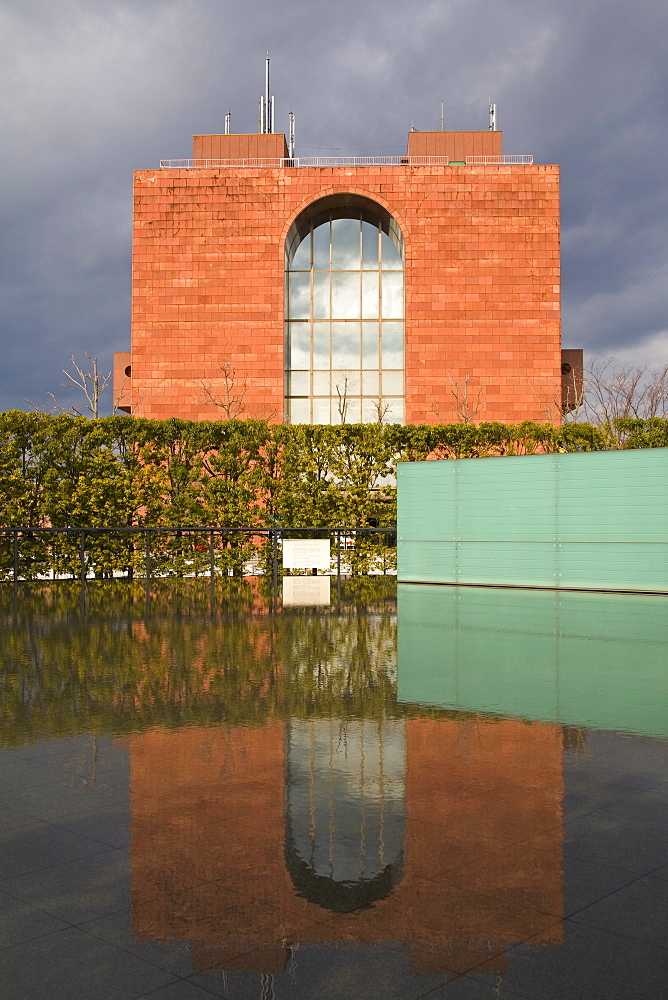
71, 553
505, 159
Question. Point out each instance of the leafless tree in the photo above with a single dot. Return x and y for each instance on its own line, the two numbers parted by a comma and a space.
606, 391
91, 383
381, 408
343, 390
468, 399
343, 402
612, 390
226, 390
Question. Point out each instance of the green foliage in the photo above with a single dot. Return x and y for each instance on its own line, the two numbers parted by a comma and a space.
635, 433
68, 472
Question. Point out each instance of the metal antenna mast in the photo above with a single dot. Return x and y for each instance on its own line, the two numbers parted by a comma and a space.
492, 118
266, 113
228, 122
442, 118
291, 140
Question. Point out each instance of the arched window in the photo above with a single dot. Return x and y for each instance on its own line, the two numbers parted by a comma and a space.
344, 353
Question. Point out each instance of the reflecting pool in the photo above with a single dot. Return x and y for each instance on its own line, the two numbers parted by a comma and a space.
408, 791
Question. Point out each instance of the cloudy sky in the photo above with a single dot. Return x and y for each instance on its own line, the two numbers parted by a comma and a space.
93, 89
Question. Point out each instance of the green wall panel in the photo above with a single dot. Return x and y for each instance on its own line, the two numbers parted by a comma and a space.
539, 655
596, 520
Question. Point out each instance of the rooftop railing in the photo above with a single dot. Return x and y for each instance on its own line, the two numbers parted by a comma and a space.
506, 159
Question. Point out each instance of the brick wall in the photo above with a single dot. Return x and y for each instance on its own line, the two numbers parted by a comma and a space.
482, 284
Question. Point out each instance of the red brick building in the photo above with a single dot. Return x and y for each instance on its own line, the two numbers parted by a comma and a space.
420, 288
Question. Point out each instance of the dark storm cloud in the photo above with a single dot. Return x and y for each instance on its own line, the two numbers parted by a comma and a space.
96, 89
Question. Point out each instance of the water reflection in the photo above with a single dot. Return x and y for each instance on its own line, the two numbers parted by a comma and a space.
345, 809
293, 783
538, 654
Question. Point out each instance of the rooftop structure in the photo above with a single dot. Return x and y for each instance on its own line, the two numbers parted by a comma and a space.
418, 288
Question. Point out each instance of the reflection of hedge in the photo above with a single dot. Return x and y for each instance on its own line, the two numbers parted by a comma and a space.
109, 668
118, 471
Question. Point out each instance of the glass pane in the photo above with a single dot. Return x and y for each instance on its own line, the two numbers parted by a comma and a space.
321, 411
393, 383
393, 295
391, 258
321, 345
353, 411
322, 382
300, 411
300, 298
302, 258
345, 345
370, 411
370, 345
345, 384
300, 355
321, 248
370, 301
299, 384
346, 244
345, 295
370, 384
393, 345
395, 411
369, 246
321, 295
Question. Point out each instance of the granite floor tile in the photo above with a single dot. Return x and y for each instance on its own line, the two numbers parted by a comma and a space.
586, 882
325, 973
172, 954
465, 988
70, 964
645, 810
614, 839
20, 921
591, 963
110, 827
638, 910
77, 890
43, 845
180, 990
56, 800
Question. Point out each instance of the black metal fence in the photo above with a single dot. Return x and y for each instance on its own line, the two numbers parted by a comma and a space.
145, 552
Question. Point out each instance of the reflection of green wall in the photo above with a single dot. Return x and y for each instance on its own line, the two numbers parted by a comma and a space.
595, 520
584, 659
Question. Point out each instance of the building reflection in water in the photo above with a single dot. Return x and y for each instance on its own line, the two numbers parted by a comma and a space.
438, 830
345, 809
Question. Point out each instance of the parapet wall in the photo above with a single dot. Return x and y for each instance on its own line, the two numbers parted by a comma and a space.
589, 521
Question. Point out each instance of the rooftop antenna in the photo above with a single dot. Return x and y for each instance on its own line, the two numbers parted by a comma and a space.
291, 140
228, 122
266, 112
492, 118
442, 118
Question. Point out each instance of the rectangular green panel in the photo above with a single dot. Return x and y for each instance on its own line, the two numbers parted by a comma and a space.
595, 520
584, 659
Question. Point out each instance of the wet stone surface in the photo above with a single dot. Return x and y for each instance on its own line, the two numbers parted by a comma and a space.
229, 797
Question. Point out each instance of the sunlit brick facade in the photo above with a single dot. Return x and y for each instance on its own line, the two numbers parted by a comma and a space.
479, 240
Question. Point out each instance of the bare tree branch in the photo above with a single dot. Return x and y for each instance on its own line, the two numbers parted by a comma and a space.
381, 408
92, 383
343, 402
468, 399
226, 391
613, 390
